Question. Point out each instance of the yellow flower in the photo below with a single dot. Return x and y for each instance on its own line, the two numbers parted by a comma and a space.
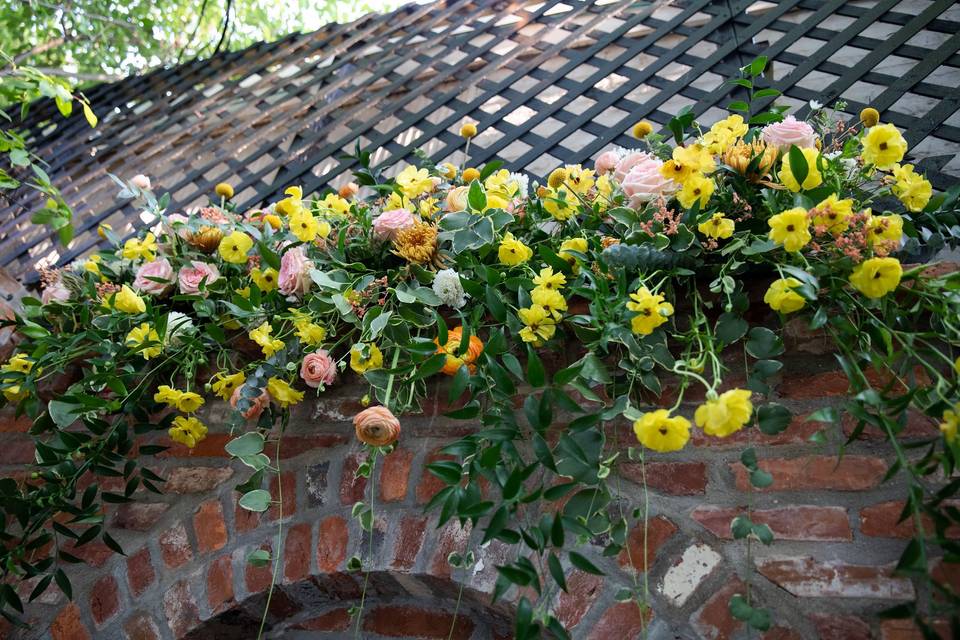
188, 402
304, 225
292, 204
224, 190
656, 430
18, 363
225, 385
791, 229
724, 134
310, 333
413, 181
883, 146
397, 201
556, 178
579, 179
551, 300
261, 335
950, 424
513, 252
92, 265
876, 277
127, 301
14, 393
717, 227
448, 170
884, 229
428, 207
539, 325
103, 228
651, 309
913, 190
188, 431
549, 280
696, 188
167, 395
726, 414
468, 130
333, 203
417, 243
234, 247
870, 117
141, 335
559, 204
687, 161
266, 280
814, 177
282, 393
604, 190
146, 249
782, 297
833, 214
364, 357
470, 174
572, 244
642, 129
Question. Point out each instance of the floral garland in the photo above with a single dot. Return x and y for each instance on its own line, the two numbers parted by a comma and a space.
641, 260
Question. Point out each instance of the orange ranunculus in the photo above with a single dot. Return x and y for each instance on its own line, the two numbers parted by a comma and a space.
454, 362
377, 426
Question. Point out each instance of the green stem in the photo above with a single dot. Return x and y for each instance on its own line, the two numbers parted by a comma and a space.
279, 546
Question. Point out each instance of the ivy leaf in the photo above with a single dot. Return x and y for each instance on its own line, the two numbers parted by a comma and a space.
773, 418
760, 478
246, 445
257, 500
731, 327
764, 344
741, 527
739, 608
259, 558
764, 533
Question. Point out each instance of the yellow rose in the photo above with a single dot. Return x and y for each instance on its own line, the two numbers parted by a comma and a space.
127, 301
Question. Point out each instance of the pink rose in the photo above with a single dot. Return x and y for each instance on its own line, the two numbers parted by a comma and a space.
388, 223
191, 277
257, 405
644, 182
318, 368
294, 278
790, 131
457, 199
141, 182
607, 161
627, 162
154, 277
55, 292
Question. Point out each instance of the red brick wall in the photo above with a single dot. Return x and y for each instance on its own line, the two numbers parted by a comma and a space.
185, 575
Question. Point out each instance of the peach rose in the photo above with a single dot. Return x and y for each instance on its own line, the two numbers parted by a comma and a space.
627, 162
191, 277
790, 131
318, 368
457, 199
644, 182
377, 426
389, 223
257, 405
607, 161
294, 278
348, 190
154, 277
141, 182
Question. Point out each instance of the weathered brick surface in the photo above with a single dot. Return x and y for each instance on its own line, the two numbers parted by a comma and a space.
828, 524
850, 473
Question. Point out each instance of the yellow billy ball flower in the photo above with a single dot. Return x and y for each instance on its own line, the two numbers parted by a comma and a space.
833, 214
556, 178
234, 247
167, 395
188, 431
448, 170
225, 385
142, 335
813, 178
883, 146
791, 229
913, 190
539, 325
266, 279
224, 190
282, 393
726, 414
127, 301
188, 402
513, 252
717, 227
551, 300
870, 117
876, 277
651, 309
365, 357
470, 174
696, 188
549, 280
642, 129
950, 424
884, 229
782, 297
656, 430
469, 130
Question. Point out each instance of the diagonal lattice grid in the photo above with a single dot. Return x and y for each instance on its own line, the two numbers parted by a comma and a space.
548, 82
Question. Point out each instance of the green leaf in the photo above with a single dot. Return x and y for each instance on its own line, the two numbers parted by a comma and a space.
764, 343
447, 470
257, 500
495, 305
89, 115
763, 532
580, 562
553, 563
476, 197
536, 374
246, 445
63, 413
731, 327
379, 324
760, 478
738, 105
798, 164
64, 583
913, 559
739, 608
259, 558
741, 527
757, 66
773, 418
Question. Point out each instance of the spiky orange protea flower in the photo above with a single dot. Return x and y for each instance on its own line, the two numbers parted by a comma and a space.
740, 155
207, 239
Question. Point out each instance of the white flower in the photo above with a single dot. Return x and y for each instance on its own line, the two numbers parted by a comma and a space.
179, 325
446, 284
816, 106
522, 182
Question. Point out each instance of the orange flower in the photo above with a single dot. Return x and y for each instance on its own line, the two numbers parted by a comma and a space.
454, 362
377, 426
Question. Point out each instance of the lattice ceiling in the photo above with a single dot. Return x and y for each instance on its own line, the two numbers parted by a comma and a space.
549, 82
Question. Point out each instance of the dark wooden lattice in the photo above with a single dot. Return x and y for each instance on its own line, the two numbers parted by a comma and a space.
548, 82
